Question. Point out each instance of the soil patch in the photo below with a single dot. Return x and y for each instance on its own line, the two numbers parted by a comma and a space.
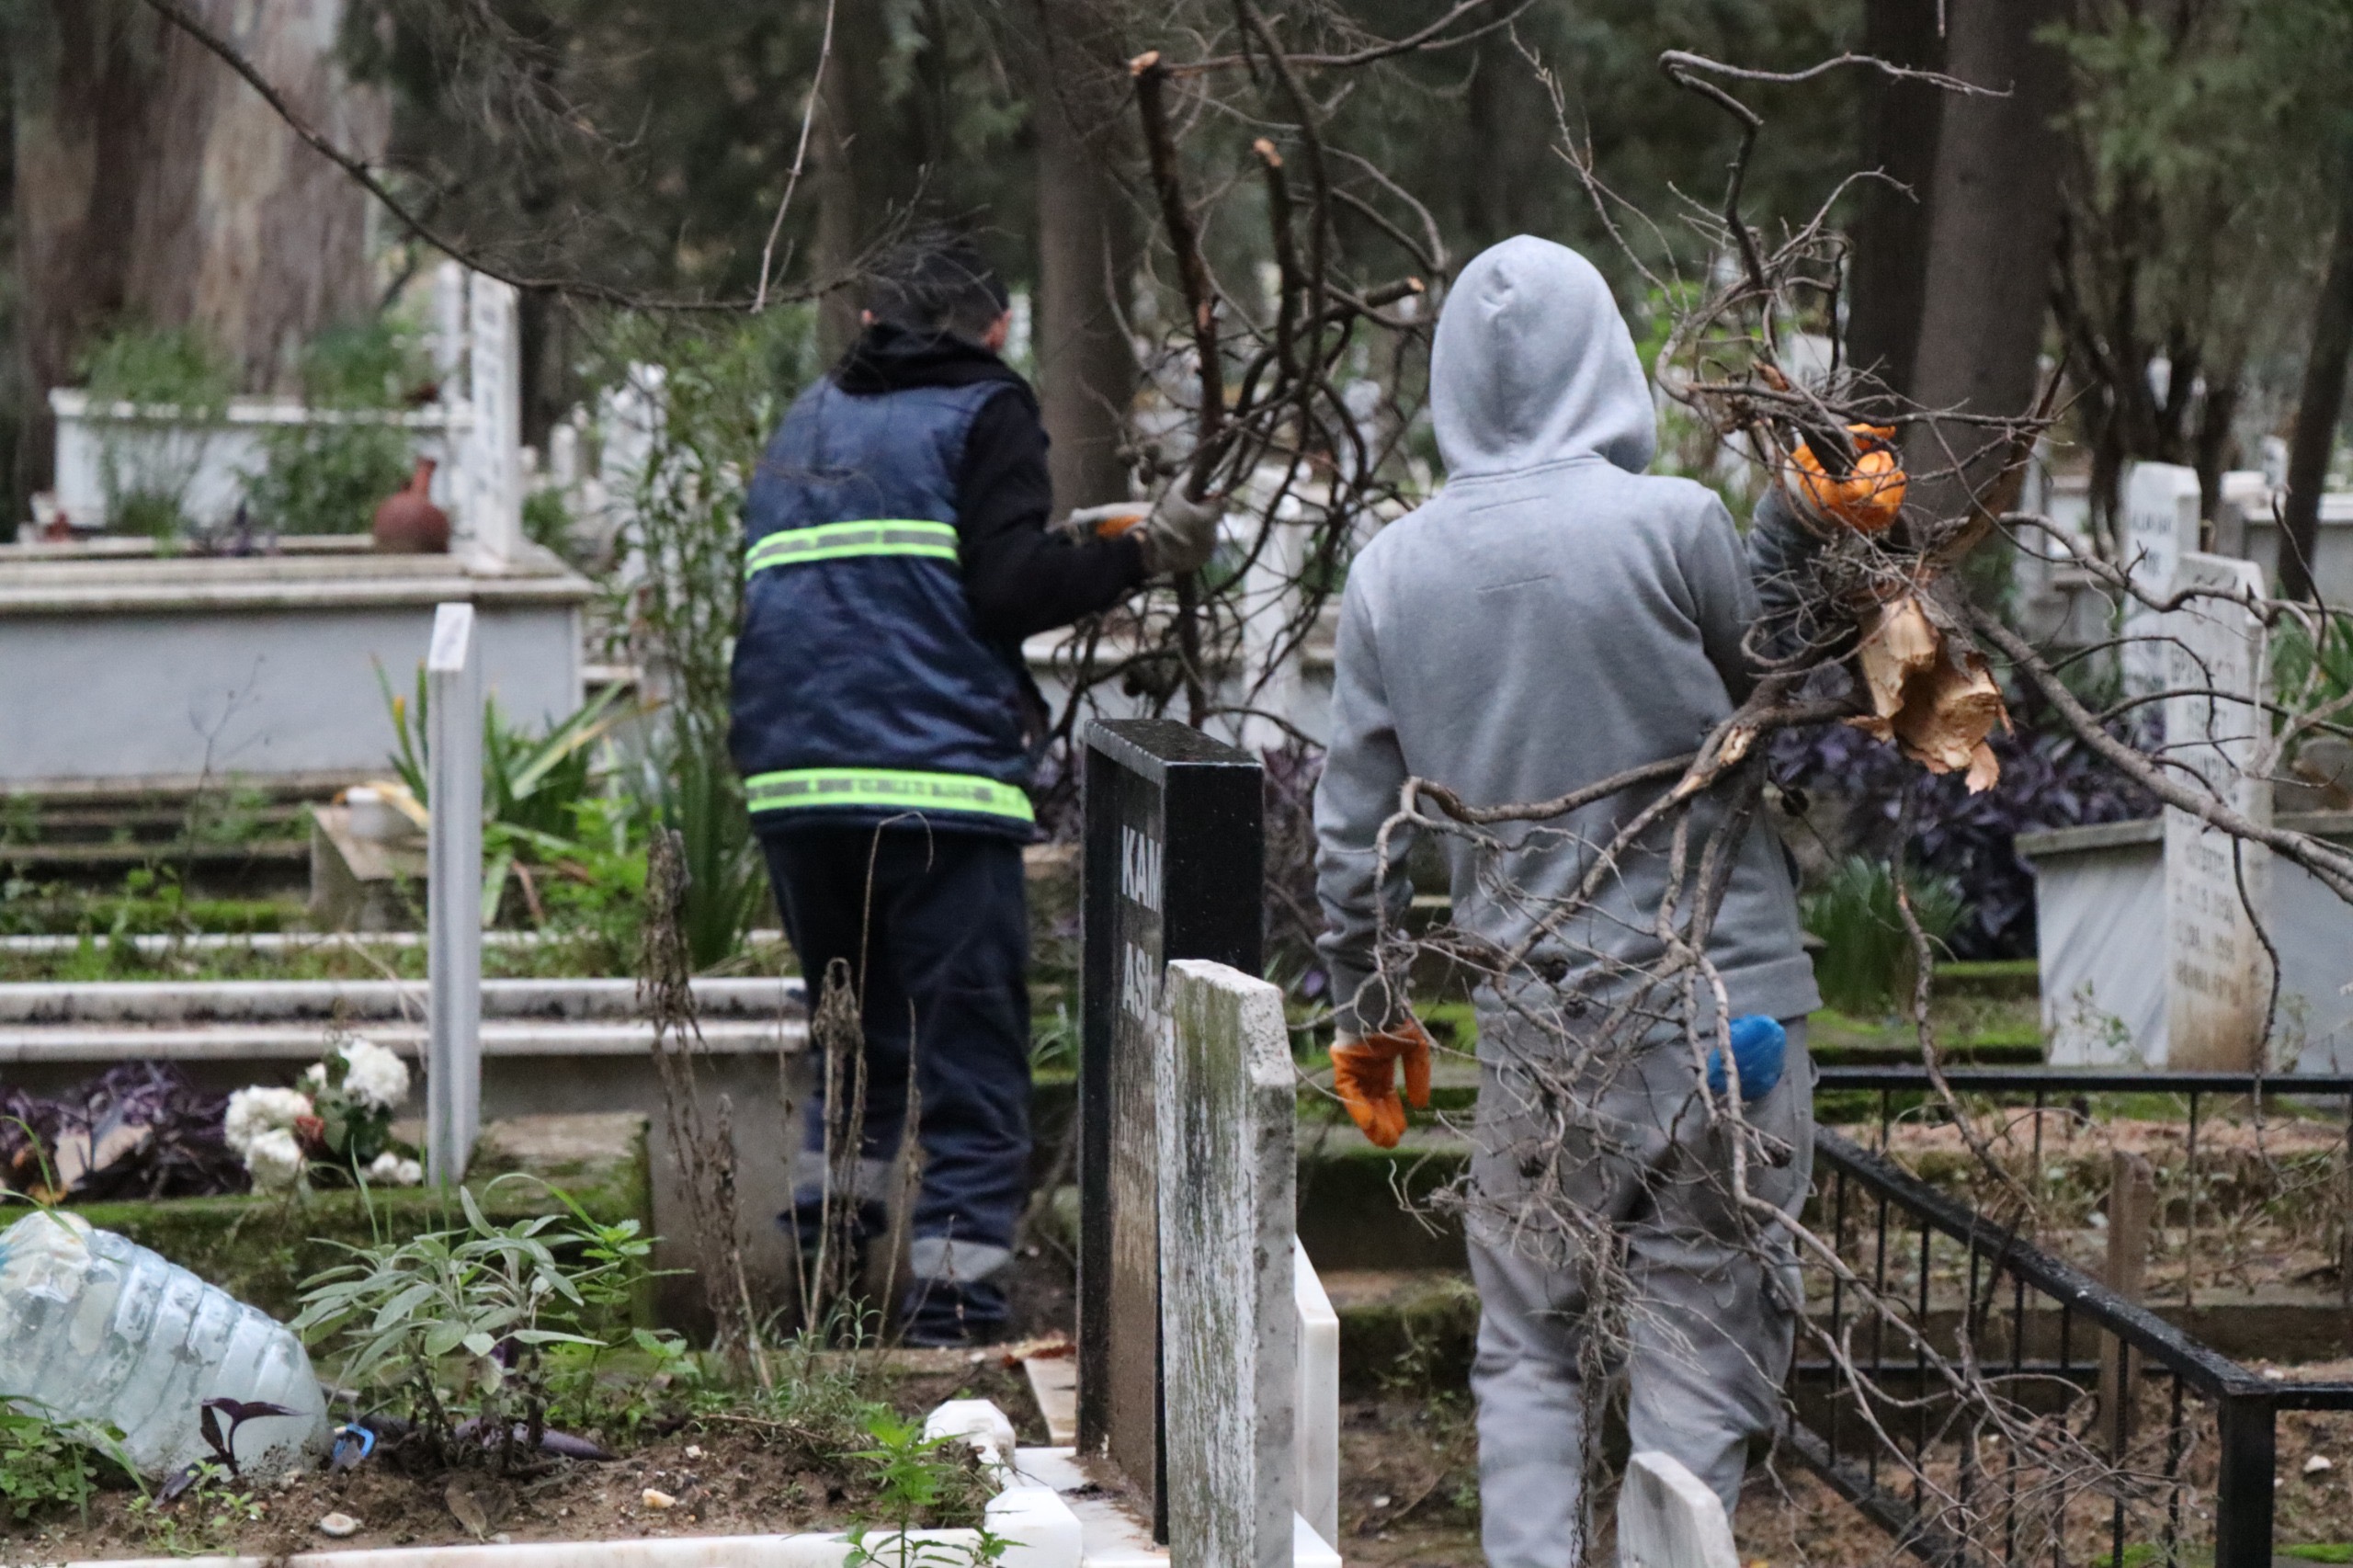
736, 1471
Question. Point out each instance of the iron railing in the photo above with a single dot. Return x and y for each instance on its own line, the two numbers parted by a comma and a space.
2029, 1333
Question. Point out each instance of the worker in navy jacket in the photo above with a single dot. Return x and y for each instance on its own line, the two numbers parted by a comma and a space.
897, 551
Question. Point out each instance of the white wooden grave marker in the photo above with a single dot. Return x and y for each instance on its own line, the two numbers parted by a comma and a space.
2218, 976
453, 894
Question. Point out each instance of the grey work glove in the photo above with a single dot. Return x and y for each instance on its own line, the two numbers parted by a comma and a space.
1179, 533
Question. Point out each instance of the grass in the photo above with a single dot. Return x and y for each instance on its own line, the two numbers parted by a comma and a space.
332, 958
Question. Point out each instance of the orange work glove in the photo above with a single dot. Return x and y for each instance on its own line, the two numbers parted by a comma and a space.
1364, 1075
1872, 492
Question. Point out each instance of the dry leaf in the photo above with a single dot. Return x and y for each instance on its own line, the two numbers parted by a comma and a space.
467, 1505
1947, 712
1939, 712
1898, 643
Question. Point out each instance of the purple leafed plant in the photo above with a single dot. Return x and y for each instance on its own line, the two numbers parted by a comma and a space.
2049, 779
140, 1129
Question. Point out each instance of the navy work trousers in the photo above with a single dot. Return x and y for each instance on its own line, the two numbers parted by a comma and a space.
934, 928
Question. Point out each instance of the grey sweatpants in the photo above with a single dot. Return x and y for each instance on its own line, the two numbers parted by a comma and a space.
1708, 1318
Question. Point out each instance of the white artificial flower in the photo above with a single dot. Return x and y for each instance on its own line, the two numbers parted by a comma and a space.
389, 1169
374, 1076
314, 1076
276, 1161
257, 1111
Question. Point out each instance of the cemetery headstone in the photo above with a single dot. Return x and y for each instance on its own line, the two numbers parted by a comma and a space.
447, 340
453, 894
1228, 1099
1668, 1518
2217, 975
2160, 527
493, 520
1172, 870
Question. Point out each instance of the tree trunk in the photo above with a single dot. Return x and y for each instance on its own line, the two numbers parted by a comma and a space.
1993, 231
78, 79
237, 226
1087, 251
2320, 404
152, 181
1504, 104
851, 146
1889, 274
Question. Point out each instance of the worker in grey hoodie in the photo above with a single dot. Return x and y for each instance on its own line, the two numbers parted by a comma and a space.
1554, 617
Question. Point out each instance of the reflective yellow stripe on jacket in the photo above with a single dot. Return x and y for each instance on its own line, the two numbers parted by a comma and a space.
837, 541
886, 790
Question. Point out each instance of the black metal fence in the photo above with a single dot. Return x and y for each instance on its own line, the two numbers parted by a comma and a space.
1984, 1400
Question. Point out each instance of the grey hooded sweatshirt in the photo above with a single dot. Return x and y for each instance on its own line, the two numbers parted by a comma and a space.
1554, 616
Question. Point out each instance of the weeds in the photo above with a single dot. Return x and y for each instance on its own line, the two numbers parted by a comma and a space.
202, 1518
920, 1482
47, 1463
485, 1301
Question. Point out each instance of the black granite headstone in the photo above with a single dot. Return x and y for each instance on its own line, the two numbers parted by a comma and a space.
1175, 853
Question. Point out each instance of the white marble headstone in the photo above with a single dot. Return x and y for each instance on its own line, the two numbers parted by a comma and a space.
1229, 1310
2160, 527
492, 518
2218, 976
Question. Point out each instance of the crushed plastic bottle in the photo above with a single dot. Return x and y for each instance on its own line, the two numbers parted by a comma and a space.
98, 1328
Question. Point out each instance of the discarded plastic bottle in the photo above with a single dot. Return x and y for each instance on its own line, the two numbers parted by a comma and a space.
97, 1328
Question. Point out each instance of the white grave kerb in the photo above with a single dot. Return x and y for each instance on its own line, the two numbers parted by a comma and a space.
2161, 503
453, 894
2218, 974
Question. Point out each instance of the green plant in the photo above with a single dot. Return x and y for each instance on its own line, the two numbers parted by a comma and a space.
45, 1462
547, 522
370, 364
1867, 959
146, 470
327, 479
726, 878
528, 782
2308, 672
920, 1482
589, 886
173, 366
480, 1303
200, 1517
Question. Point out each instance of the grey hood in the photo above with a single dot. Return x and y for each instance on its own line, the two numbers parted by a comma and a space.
1534, 365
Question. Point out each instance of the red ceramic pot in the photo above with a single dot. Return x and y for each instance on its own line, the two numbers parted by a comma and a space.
407, 522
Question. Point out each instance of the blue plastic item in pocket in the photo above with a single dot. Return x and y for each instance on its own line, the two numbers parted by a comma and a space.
1758, 1044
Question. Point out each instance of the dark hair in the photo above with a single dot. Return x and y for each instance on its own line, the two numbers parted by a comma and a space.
936, 283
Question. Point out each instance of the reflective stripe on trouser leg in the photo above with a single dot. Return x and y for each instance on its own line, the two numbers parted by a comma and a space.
952, 1257
886, 789
871, 1180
